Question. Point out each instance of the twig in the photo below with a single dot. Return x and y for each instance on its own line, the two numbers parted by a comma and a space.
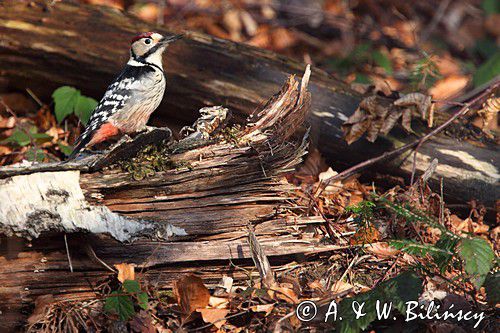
417, 143
91, 253
386, 273
435, 20
35, 97
351, 265
330, 231
160, 19
67, 253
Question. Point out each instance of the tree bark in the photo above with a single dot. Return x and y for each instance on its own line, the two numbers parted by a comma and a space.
46, 46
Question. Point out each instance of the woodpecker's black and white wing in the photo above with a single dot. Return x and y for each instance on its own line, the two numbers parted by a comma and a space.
119, 95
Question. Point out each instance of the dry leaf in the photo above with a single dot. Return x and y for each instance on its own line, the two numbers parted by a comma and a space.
356, 131
142, 323
147, 12
449, 86
41, 306
365, 235
191, 293
341, 286
125, 272
5, 150
375, 115
381, 249
214, 316
118, 4
227, 283
249, 23
422, 102
312, 168
282, 39
446, 65
6, 123
267, 308
406, 120
390, 121
218, 302
232, 23
492, 24
489, 112
286, 294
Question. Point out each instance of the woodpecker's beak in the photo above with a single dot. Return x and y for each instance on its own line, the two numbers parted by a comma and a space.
170, 39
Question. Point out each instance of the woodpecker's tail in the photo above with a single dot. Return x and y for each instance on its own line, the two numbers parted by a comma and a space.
81, 142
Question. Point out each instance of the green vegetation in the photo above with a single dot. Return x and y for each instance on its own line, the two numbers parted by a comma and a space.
69, 100
122, 302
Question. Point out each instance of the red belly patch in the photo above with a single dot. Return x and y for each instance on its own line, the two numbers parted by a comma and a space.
106, 131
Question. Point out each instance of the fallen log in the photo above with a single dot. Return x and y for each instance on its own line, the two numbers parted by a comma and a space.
45, 46
191, 212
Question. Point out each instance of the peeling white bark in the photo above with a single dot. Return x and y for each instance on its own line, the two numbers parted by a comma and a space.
489, 169
32, 204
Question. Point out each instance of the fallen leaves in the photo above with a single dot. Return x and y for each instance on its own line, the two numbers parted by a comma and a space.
377, 115
191, 294
449, 86
489, 113
125, 272
214, 316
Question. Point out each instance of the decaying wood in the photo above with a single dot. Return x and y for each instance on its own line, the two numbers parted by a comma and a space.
206, 200
44, 46
193, 177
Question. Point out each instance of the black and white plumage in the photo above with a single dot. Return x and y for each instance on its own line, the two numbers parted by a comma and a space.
133, 96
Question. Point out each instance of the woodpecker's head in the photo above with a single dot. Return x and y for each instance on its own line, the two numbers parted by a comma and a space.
149, 46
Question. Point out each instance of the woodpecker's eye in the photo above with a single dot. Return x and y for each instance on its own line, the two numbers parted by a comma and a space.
148, 41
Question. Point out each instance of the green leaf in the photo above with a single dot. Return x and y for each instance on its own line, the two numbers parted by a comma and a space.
36, 155
491, 6
363, 79
418, 249
121, 305
131, 286
360, 52
143, 300
492, 287
477, 256
65, 99
84, 107
399, 290
487, 70
382, 61
66, 150
486, 47
69, 100
351, 324
18, 137
403, 288
448, 244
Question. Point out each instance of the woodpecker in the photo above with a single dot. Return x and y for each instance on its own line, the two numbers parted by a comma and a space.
133, 96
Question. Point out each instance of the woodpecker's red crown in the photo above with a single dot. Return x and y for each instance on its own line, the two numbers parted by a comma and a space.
143, 35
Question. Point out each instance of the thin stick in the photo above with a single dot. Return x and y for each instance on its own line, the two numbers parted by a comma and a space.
67, 253
35, 97
348, 270
435, 20
387, 155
